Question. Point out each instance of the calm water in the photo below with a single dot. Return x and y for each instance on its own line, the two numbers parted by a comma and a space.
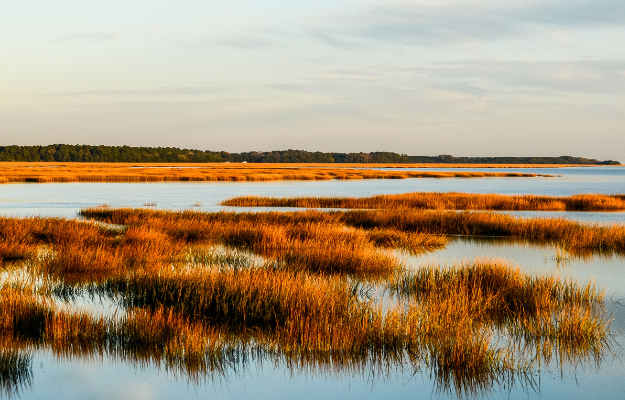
65, 199
105, 378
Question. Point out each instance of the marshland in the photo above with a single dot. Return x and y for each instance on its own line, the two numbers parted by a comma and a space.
337, 288
122, 172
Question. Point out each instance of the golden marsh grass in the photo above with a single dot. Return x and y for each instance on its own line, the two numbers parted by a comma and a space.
196, 312
443, 201
429, 228
137, 172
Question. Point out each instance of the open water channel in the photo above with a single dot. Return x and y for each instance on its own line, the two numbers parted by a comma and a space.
259, 379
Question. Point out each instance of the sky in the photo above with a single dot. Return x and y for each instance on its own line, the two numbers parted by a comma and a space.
422, 77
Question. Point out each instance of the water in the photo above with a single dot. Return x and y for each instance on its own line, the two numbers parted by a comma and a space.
104, 378
66, 199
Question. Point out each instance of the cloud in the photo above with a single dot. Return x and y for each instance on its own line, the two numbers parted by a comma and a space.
96, 37
458, 21
471, 89
245, 41
93, 36
538, 77
254, 39
171, 91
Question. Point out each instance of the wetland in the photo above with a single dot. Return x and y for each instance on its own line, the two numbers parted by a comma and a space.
168, 292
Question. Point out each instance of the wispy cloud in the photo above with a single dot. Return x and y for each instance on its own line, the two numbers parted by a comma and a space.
93, 36
171, 91
245, 41
469, 88
435, 24
539, 77
96, 37
432, 24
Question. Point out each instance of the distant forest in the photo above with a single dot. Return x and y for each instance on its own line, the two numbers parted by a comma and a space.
83, 153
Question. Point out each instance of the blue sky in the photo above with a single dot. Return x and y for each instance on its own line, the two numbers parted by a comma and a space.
425, 77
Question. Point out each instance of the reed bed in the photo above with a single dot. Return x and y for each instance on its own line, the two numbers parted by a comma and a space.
77, 250
119, 172
443, 201
316, 246
197, 312
308, 312
302, 314
506, 291
574, 237
158, 336
310, 317
541, 316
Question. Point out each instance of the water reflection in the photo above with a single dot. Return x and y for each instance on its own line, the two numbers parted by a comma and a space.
406, 375
15, 372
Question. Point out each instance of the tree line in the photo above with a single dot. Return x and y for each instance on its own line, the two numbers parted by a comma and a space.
85, 153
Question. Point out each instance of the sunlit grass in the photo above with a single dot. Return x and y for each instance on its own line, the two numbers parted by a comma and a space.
429, 227
443, 201
196, 291
120, 172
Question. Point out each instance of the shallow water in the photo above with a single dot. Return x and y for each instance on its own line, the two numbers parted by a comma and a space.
105, 378
66, 199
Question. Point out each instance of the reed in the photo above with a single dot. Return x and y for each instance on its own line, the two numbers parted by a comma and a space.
305, 310
79, 251
323, 247
120, 172
574, 237
10, 252
553, 318
570, 235
158, 336
504, 291
443, 201
413, 242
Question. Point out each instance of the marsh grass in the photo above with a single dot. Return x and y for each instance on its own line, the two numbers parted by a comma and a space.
443, 201
504, 290
554, 319
120, 172
142, 336
572, 236
425, 226
317, 246
198, 292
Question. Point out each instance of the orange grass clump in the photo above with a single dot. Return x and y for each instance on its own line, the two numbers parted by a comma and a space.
443, 201
78, 249
570, 235
326, 245
310, 312
538, 317
141, 336
123, 172
505, 292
